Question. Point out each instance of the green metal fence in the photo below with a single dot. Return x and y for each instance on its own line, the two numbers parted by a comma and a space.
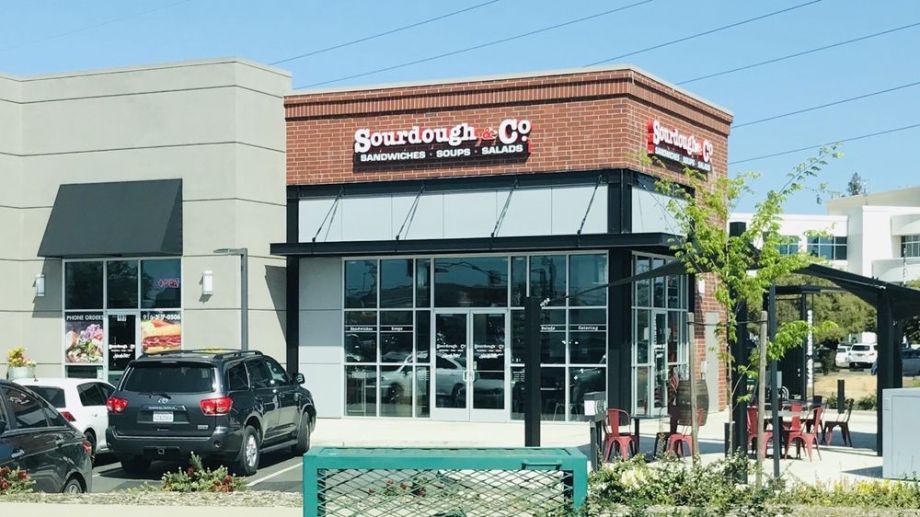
443, 482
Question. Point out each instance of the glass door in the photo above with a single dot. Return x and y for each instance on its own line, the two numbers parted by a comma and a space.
660, 361
121, 343
470, 380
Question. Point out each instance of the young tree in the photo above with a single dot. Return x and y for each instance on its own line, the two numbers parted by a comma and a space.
739, 267
856, 186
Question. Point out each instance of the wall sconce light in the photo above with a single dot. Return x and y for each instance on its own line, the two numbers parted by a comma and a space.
207, 283
700, 286
39, 285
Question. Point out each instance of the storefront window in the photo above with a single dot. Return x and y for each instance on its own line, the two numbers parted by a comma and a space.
361, 284
547, 278
360, 337
587, 336
393, 344
121, 284
361, 390
587, 272
518, 281
396, 390
471, 282
161, 284
135, 307
423, 283
395, 336
396, 283
83, 285
552, 336
659, 337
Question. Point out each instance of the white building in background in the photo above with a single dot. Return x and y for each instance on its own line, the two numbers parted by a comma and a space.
876, 235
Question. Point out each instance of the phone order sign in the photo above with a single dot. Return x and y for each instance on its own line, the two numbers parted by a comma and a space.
462, 142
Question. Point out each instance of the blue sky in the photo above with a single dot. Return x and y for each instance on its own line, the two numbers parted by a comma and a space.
62, 35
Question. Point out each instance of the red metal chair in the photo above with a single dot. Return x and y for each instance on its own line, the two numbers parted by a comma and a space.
753, 420
797, 433
676, 441
627, 444
843, 422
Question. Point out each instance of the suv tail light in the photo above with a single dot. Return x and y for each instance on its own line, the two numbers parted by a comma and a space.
218, 406
116, 405
68, 416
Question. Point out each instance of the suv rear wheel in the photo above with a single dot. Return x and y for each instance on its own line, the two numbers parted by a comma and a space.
248, 461
135, 465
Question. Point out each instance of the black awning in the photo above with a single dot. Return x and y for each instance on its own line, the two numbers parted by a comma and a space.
124, 218
652, 241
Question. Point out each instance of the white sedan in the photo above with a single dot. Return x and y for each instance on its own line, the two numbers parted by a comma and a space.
80, 401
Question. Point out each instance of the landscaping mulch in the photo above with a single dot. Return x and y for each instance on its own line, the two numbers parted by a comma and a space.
263, 498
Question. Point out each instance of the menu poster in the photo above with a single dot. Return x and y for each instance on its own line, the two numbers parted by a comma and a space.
161, 331
83, 338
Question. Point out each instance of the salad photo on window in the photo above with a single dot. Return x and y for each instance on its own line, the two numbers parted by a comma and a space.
83, 338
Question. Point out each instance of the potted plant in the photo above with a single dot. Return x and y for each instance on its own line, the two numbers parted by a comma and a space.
20, 366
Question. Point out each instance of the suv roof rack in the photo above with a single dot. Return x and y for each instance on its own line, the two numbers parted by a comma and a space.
215, 352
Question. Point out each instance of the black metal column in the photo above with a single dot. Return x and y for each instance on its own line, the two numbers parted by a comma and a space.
619, 328
887, 351
532, 377
292, 292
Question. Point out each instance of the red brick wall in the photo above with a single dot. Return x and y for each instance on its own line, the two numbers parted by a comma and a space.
581, 121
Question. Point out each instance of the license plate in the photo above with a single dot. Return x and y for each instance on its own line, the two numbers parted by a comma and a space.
163, 416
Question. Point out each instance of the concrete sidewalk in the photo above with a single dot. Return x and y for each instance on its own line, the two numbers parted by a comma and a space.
836, 463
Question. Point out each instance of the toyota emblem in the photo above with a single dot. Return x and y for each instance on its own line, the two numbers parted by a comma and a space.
163, 400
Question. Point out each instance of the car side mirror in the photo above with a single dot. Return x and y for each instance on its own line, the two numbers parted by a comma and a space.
299, 379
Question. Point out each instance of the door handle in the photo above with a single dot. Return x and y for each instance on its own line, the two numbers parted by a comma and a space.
18, 453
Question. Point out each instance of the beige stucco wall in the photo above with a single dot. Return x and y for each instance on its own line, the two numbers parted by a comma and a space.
216, 124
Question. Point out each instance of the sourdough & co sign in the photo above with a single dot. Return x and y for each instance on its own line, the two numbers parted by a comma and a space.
675, 145
462, 142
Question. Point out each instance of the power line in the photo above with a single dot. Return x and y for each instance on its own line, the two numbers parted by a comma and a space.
827, 105
705, 33
385, 33
798, 54
851, 139
482, 45
94, 26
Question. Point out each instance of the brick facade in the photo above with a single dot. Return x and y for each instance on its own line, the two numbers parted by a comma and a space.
583, 120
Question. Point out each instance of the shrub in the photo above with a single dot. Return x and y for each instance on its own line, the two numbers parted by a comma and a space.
867, 493
197, 478
867, 403
14, 481
670, 482
16, 358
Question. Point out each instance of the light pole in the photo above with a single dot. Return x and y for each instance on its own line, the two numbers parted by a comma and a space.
244, 291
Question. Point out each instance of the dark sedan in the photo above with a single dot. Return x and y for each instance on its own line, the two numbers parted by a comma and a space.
36, 438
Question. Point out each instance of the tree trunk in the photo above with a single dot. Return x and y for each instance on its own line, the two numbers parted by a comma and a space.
761, 396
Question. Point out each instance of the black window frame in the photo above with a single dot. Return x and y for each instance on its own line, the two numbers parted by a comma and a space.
229, 385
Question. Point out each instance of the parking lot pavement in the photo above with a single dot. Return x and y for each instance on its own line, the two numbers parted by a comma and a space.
277, 471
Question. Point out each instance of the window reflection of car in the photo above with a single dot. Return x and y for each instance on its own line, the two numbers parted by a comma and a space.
910, 362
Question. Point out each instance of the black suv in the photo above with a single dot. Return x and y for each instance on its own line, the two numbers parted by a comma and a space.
226, 405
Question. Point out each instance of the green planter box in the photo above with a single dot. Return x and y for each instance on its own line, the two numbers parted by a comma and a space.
342, 481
